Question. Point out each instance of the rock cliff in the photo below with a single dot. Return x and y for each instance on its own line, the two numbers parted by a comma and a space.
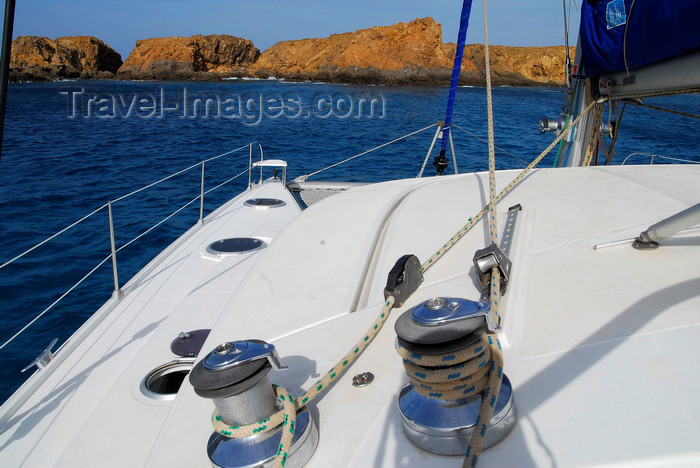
40, 58
523, 66
403, 53
406, 53
189, 57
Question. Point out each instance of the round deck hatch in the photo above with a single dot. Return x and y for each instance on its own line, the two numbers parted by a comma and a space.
236, 245
163, 382
264, 203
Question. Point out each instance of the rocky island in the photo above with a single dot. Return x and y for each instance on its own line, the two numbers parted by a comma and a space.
405, 53
40, 58
196, 57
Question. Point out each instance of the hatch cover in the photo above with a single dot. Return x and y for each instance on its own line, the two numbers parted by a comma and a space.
189, 344
265, 203
235, 245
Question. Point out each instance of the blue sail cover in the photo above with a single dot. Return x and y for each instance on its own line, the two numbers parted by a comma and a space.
656, 30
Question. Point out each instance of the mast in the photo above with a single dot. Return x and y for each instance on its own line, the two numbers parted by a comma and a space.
5, 62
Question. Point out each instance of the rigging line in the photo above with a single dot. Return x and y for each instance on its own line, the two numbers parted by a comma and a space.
225, 182
492, 153
624, 38
113, 201
180, 172
567, 65
304, 177
158, 224
476, 218
663, 109
54, 236
494, 376
616, 129
56, 301
485, 141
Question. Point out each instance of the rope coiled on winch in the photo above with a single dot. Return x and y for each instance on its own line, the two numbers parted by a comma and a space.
448, 376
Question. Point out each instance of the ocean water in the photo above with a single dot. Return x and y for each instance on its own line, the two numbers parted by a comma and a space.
72, 146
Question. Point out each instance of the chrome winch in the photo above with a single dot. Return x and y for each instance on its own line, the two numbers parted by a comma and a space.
235, 377
438, 412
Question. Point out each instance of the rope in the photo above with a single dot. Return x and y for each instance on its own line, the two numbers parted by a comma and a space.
495, 369
450, 376
475, 219
663, 109
595, 134
624, 38
492, 388
287, 417
674, 92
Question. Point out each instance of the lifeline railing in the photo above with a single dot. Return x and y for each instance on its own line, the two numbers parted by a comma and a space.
652, 156
113, 249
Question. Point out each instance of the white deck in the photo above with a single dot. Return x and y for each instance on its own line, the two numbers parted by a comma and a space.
601, 345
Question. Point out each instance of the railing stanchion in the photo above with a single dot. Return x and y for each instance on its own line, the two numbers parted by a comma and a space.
250, 166
261, 160
117, 291
454, 156
201, 197
432, 145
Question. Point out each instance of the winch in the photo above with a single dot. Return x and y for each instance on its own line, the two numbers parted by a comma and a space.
446, 355
235, 377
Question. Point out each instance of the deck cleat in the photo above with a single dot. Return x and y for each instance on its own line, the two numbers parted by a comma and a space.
444, 336
235, 377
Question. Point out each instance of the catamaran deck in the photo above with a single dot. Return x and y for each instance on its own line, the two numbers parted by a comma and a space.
600, 345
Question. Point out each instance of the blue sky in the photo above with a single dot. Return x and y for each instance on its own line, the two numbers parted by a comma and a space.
121, 23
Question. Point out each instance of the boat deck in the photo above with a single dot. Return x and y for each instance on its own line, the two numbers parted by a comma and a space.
598, 344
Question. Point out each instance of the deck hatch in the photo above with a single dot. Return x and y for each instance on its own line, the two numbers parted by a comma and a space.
265, 203
163, 382
235, 245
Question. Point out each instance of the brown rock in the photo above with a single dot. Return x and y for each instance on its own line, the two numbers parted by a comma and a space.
189, 57
40, 58
402, 53
520, 66
406, 53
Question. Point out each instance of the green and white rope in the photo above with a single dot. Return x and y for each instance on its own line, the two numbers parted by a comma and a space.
448, 376
488, 403
287, 418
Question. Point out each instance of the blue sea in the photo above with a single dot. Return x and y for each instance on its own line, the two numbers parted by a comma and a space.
72, 146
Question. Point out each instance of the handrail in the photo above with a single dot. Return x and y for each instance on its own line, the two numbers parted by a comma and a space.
305, 177
182, 171
658, 156
114, 250
53, 236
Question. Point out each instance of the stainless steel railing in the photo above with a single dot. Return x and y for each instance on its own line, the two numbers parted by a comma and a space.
652, 156
113, 248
